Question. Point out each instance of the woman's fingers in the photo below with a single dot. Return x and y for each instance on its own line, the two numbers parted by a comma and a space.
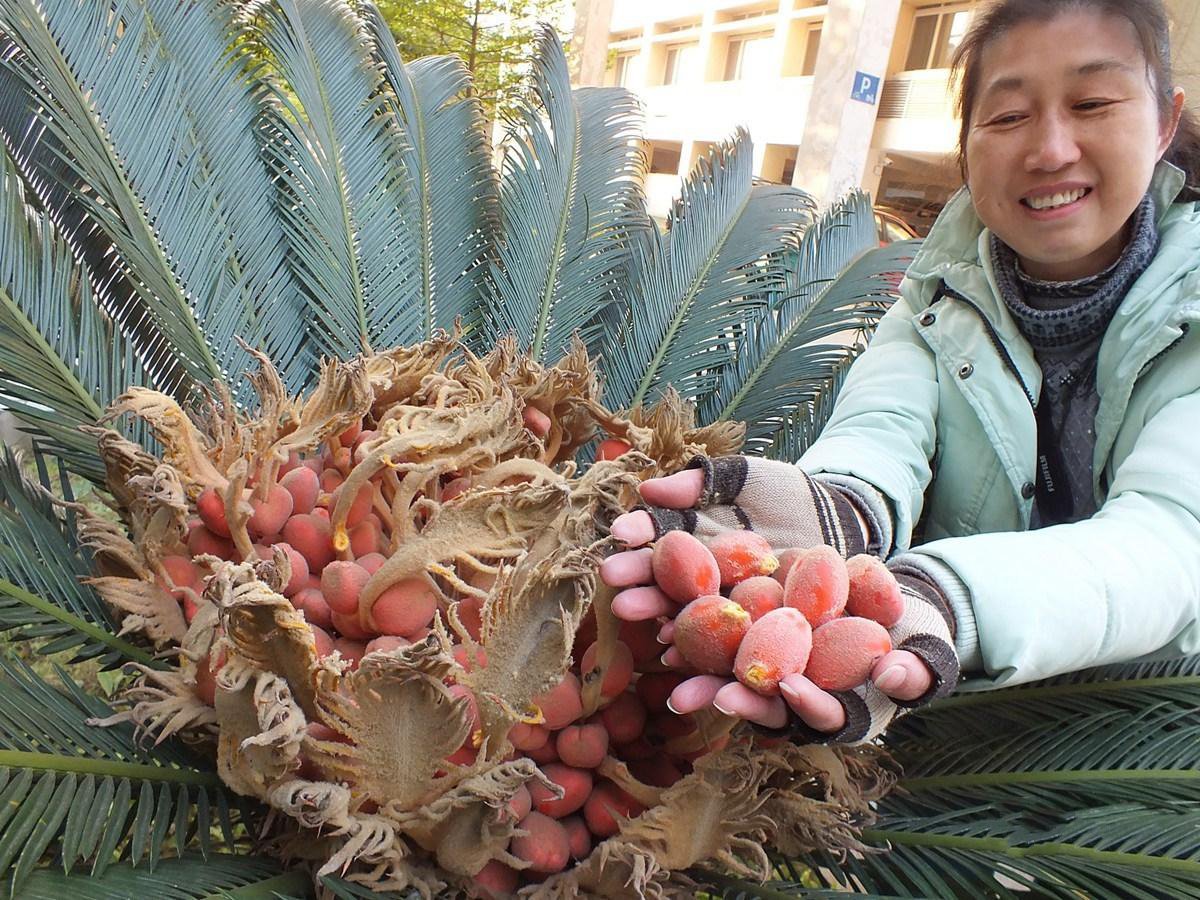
666, 634
633, 528
695, 693
641, 603
673, 658
678, 491
630, 568
818, 710
735, 699
902, 675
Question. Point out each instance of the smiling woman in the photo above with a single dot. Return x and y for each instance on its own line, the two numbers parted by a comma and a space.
1017, 441
1063, 123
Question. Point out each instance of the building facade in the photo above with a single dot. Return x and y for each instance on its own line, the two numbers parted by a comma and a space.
835, 94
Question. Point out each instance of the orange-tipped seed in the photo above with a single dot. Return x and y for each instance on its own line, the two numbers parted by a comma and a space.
579, 839
405, 608
269, 515
624, 718
304, 485
211, 509
312, 536
618, 674
874, 591
545, 847
787, 558
777, 645
818, 585
536, 421
612, 448
562, 704
607, 805
576, 784
684, 568
342, 582
582, 746
758, 595
844, 651
708, 631
741, 555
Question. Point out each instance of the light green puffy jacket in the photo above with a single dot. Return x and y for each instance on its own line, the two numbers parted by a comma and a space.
935, 417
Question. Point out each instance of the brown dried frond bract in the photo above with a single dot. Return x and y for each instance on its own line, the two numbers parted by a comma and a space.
380, 596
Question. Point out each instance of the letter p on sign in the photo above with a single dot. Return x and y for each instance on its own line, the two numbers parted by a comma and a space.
866, 88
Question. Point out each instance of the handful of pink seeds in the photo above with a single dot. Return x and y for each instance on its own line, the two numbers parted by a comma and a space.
760, 617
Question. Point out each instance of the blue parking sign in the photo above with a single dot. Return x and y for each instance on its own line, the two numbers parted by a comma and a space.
866, 88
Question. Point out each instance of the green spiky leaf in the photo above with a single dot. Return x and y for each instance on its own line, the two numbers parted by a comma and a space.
699, 285
451, 203
42, 566
336, 151
568, 182
98, 793
837, 284
61, 360
191, 877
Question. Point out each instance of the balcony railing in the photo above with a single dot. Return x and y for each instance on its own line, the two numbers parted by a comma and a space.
917, 95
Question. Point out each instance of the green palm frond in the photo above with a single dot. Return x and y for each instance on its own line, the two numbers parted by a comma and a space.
804, 424
695, 288
97, 794
61, 361
109, 135
451, 198
41, 570
568, 182
795, 346
857, 298
218, 876
337, 152
232, 252
1084, 785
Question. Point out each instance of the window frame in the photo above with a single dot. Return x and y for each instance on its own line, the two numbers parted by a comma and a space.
943, 14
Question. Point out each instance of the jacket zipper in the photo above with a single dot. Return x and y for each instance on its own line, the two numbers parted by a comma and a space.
1183, 331
944, 290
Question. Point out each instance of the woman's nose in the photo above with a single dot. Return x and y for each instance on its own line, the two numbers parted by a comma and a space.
1053, 145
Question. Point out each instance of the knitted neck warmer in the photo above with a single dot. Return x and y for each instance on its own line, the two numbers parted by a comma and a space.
1063, 313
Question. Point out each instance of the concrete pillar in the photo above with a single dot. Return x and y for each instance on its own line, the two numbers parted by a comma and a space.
589, 42
856, 37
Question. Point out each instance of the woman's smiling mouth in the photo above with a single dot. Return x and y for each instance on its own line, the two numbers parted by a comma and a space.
1051, 204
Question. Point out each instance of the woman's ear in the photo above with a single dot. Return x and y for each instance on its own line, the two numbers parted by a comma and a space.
1166, 133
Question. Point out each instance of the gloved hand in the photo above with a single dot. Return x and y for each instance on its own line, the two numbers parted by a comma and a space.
776, 499
759, 494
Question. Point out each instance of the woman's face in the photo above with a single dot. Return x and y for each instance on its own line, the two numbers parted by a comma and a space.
1064, 137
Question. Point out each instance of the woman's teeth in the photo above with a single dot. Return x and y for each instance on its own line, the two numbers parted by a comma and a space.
1055, 200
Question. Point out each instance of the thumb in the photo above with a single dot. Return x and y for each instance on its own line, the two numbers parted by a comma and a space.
679, 491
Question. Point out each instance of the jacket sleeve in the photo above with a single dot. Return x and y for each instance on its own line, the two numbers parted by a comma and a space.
1123, 585
882, 428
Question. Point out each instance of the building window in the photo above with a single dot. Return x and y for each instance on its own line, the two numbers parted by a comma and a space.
622, 69
681, 64
789, 170
812, 46
937, 32
748, 57
664, 157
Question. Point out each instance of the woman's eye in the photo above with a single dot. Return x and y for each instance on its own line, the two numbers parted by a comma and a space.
1007, 119
1087, 105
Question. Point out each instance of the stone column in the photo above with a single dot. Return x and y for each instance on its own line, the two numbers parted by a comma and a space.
856, 37
588, 59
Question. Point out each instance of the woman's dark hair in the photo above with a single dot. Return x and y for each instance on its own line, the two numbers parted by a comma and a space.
1148, 19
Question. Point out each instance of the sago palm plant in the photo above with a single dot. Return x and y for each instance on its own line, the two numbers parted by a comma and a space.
186, 186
